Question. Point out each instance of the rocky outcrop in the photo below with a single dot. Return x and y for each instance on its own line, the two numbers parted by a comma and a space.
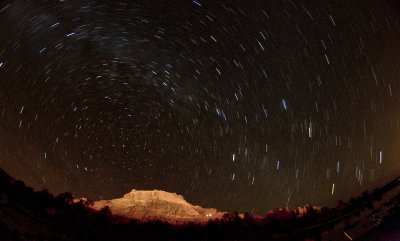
158, 205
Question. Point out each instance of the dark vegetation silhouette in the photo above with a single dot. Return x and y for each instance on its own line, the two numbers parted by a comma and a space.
29, 215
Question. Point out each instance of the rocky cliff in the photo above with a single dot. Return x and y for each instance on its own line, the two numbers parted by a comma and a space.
160, 205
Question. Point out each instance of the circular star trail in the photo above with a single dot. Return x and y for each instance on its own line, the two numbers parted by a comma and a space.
237, 105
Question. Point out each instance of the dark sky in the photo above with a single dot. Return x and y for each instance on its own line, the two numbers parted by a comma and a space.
237, 105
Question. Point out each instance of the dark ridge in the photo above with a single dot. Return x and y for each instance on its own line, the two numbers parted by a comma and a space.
29, 215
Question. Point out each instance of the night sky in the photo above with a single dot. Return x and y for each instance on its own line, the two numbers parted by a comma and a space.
237, 105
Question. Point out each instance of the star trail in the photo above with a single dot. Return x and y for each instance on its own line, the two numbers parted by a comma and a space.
237, 105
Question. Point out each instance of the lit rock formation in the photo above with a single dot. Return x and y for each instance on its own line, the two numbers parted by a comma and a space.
158, 205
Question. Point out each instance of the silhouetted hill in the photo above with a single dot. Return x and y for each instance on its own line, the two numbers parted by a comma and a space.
29, 215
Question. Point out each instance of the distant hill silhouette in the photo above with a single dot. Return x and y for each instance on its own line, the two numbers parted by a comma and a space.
29, 215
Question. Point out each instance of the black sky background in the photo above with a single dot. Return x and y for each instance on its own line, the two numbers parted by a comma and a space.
235, 105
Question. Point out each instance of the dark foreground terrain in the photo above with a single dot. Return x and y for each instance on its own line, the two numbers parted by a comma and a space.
29, 215
388, 230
